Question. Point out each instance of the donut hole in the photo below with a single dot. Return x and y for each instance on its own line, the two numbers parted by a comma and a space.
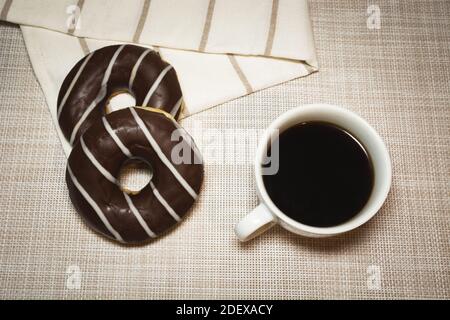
119, 100
134, 175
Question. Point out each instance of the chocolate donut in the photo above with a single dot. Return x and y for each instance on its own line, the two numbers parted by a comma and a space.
134, 134
111, 70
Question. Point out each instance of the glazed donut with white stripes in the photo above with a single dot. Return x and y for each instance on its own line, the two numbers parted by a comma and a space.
134, 134
111, 70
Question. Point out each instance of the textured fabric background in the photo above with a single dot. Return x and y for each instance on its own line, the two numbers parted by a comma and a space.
396, 77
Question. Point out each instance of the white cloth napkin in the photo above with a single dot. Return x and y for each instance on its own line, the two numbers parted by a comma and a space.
221, 49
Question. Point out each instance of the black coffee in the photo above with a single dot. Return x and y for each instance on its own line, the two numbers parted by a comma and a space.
325, 175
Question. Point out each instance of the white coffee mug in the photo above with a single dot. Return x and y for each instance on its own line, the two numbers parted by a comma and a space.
266, 214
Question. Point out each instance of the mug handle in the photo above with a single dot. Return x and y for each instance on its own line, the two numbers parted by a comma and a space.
255, 223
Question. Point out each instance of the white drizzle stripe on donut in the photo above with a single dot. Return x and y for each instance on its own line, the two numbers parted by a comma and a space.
156, 84
164, 203
74, 80
94, 205
161, 155
111, 64
97, 164
138, 216
101, 94
177, 106
116, 139
136, 67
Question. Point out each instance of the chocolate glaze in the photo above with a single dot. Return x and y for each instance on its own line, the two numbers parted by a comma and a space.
84, 90
109, 197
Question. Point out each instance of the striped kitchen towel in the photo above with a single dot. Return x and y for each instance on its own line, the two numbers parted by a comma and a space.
221, 49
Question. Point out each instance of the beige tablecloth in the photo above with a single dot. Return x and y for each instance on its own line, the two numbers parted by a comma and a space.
397, 77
